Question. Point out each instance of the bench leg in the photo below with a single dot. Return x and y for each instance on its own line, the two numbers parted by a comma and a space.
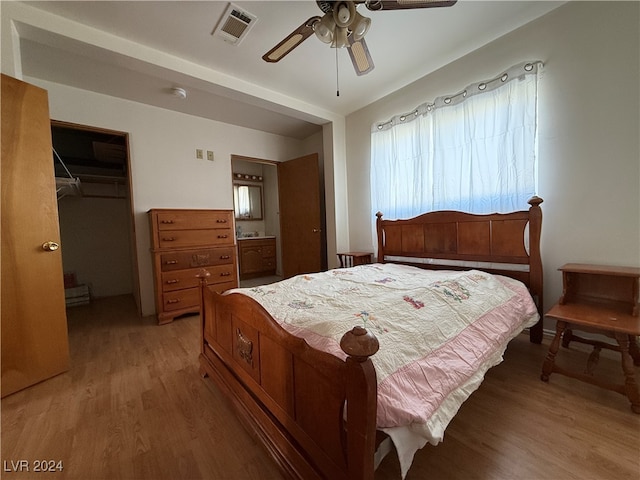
592, 361
634, 350
567, 337
630, 385
549, 361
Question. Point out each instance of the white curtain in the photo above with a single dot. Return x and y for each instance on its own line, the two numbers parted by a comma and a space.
474, 151
242, 201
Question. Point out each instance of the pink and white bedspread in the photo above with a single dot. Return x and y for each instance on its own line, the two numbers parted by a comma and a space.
439, 332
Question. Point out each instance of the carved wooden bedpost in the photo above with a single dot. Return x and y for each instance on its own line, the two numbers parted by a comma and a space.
359, 345
535, 263
380, 239
202, 275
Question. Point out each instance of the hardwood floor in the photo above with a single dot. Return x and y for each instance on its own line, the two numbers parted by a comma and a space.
517, 427
134, 407
253, 282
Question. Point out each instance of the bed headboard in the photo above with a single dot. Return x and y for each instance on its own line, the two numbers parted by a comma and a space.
496, 243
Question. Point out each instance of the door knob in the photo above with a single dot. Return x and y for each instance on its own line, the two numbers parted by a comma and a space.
50, 246
316, 230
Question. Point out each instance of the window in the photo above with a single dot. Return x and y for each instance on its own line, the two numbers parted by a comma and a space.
475, 151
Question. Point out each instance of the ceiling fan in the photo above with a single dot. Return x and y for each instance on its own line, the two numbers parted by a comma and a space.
342, 26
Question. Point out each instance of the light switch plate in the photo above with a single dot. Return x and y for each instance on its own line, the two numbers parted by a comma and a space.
199, 154
210, 155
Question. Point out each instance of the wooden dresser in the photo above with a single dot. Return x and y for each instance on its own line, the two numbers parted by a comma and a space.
257, 257
183, 243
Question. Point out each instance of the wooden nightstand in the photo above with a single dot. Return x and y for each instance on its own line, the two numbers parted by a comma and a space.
604, 300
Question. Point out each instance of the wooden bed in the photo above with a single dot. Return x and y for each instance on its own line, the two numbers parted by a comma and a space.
314, 412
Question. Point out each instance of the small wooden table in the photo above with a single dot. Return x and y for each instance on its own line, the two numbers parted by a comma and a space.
604, 300
351, 259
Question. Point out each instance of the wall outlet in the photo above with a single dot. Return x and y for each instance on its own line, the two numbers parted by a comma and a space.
210, 155
199, 154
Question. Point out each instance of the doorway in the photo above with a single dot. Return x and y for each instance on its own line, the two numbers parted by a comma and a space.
293, 211
257, 235
96, 217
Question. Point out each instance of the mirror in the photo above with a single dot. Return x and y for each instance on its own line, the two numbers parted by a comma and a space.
247, 201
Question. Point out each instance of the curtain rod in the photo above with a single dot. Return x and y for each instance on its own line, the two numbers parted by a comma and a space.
516, 71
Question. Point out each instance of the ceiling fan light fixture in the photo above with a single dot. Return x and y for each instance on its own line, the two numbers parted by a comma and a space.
344, 13
360, 26
324, 29
340, 38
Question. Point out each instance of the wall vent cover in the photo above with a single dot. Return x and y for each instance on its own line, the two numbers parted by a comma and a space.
234, 24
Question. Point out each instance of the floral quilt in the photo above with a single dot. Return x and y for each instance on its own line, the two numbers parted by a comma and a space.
439, 331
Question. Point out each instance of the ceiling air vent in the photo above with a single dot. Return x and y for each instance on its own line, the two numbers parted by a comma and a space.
234, 24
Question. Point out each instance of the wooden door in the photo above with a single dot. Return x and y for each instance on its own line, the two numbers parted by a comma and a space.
301, 216
33, 318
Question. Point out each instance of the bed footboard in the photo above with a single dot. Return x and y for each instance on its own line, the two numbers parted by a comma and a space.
291, 396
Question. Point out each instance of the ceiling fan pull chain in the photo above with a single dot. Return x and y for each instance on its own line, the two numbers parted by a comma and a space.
337, 79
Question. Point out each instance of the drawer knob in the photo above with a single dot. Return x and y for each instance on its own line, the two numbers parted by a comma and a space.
221, 221
171, 262
223, 236
225, 257
172, 281
225, 274
169, 239
167, 221
173, 300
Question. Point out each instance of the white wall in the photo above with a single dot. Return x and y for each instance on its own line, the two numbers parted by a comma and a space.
589, 158
164, 170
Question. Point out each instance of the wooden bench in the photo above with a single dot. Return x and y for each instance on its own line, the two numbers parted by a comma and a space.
351, 259
602, 300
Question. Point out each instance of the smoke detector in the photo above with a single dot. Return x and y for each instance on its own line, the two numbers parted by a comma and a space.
179, 92
234, 24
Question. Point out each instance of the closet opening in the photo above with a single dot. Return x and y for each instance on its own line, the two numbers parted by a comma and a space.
95, 211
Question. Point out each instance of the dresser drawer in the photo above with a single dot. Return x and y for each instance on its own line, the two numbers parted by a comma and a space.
180, 279
222, 274
193, 238
268, 250
197, 258
189, 297
193, 219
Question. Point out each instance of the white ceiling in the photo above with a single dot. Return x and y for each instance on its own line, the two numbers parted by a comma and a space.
405, 45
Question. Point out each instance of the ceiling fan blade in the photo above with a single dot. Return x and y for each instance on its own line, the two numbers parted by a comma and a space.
360, 56
294, 39
376, 5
